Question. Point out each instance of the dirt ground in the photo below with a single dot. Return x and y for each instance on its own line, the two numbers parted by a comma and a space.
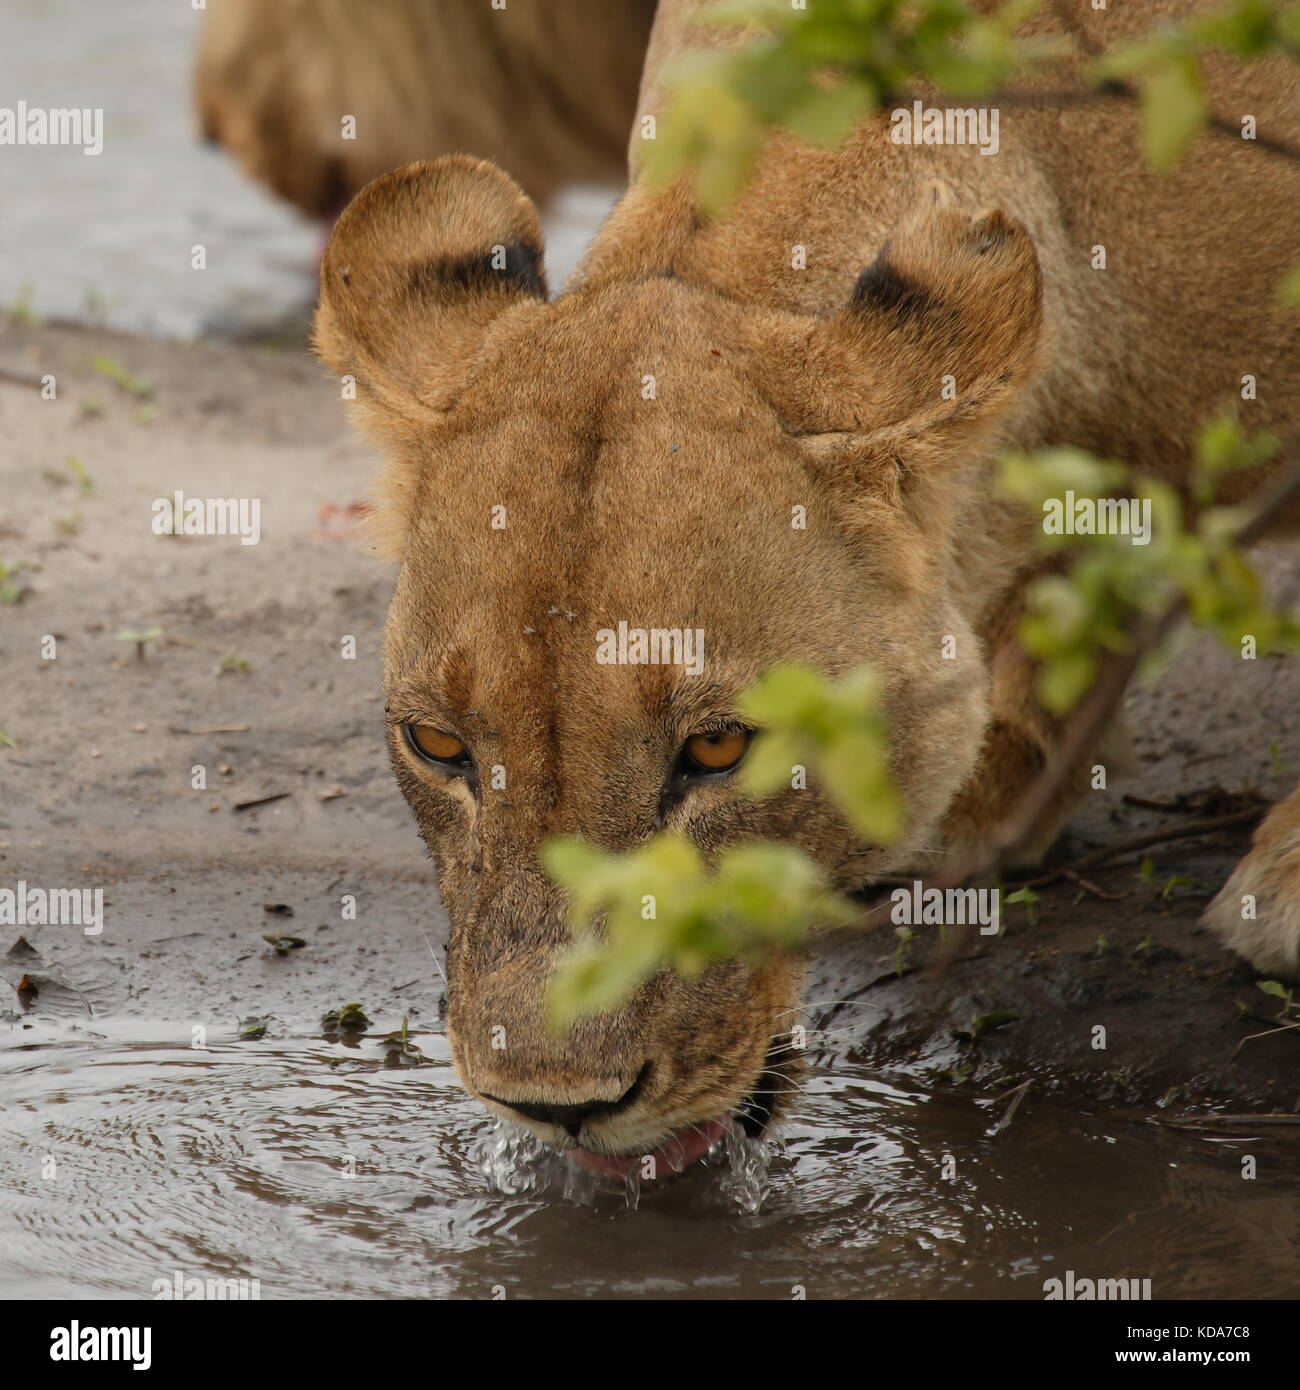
246, 680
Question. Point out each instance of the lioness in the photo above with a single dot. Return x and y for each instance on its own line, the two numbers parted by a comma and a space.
547, 88
632, 452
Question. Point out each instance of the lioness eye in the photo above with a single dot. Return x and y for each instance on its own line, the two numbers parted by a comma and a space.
715, 752
437, 745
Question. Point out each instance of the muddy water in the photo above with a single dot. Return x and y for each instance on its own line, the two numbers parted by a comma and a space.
127, 1156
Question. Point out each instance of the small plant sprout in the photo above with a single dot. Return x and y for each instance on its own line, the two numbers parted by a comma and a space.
902, 952
7, 741
22, 310
141, 636
1176, 882
78, 470
1030, 900
10, 593
112, 370
402, 1052
984, 1024
1279, 991
351, 1018
232, 663
281, 944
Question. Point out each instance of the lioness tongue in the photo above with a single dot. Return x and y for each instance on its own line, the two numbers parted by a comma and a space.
687, 1146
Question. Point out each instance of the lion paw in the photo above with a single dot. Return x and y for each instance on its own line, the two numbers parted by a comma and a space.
1257, 912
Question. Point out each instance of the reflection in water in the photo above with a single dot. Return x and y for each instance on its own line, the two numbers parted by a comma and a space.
125, 1159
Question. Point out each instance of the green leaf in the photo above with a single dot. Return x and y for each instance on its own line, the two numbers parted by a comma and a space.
1143, 55
828, 114
1174, 111
1288, 292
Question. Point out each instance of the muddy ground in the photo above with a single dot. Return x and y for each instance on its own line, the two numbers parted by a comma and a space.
246, 680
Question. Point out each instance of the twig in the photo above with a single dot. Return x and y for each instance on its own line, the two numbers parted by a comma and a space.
17, 378
1016, 1097
1223, 1121
1088, 723
1188, 831
888, 977
260, 801
1092, 887
1267, 1033
1145, 803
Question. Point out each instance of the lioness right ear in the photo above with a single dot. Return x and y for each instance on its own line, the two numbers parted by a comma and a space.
932, 350
419, 264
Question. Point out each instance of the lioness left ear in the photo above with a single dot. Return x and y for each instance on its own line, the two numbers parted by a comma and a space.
939, 334
418, 266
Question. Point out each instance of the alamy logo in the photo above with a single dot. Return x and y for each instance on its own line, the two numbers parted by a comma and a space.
54, 907
77, 1343
1098, 516
179, 515
947, 907
63, 125
655, 646
191, 1288
946, 125
1100, 1290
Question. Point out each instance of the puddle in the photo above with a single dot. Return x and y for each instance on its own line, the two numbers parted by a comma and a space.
234, 1161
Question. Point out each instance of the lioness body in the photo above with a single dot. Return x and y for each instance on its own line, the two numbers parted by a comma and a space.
317, 97
636, 451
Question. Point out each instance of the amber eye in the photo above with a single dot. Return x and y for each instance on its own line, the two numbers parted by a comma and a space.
437, 744
715, 752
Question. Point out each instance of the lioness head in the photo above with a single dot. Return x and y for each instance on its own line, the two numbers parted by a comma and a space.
644, 456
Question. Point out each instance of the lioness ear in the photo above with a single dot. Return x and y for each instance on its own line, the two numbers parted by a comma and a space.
419, 264
940, 332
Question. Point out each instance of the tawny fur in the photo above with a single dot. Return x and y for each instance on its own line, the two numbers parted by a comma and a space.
1257, 912
774, 388
545, 88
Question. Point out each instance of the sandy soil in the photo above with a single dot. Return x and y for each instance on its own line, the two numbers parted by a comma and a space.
97, 790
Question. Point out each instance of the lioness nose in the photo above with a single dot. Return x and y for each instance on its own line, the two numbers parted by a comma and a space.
573, 1116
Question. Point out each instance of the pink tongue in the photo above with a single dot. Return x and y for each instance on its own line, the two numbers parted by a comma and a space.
687, 1146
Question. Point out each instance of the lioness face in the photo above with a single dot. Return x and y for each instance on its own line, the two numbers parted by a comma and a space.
637, 457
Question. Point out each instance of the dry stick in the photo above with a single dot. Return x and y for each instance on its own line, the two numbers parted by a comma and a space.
1189, 831
260, 801
1224, 1121
1172, 808
1268, 1033
1091, 887
19, 378
1016, 1097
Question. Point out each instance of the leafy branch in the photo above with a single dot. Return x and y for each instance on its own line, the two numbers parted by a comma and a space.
1103, 612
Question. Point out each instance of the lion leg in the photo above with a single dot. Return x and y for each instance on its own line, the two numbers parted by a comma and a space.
1257, 912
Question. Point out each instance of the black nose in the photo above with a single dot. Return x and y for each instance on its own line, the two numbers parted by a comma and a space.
572, 1117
